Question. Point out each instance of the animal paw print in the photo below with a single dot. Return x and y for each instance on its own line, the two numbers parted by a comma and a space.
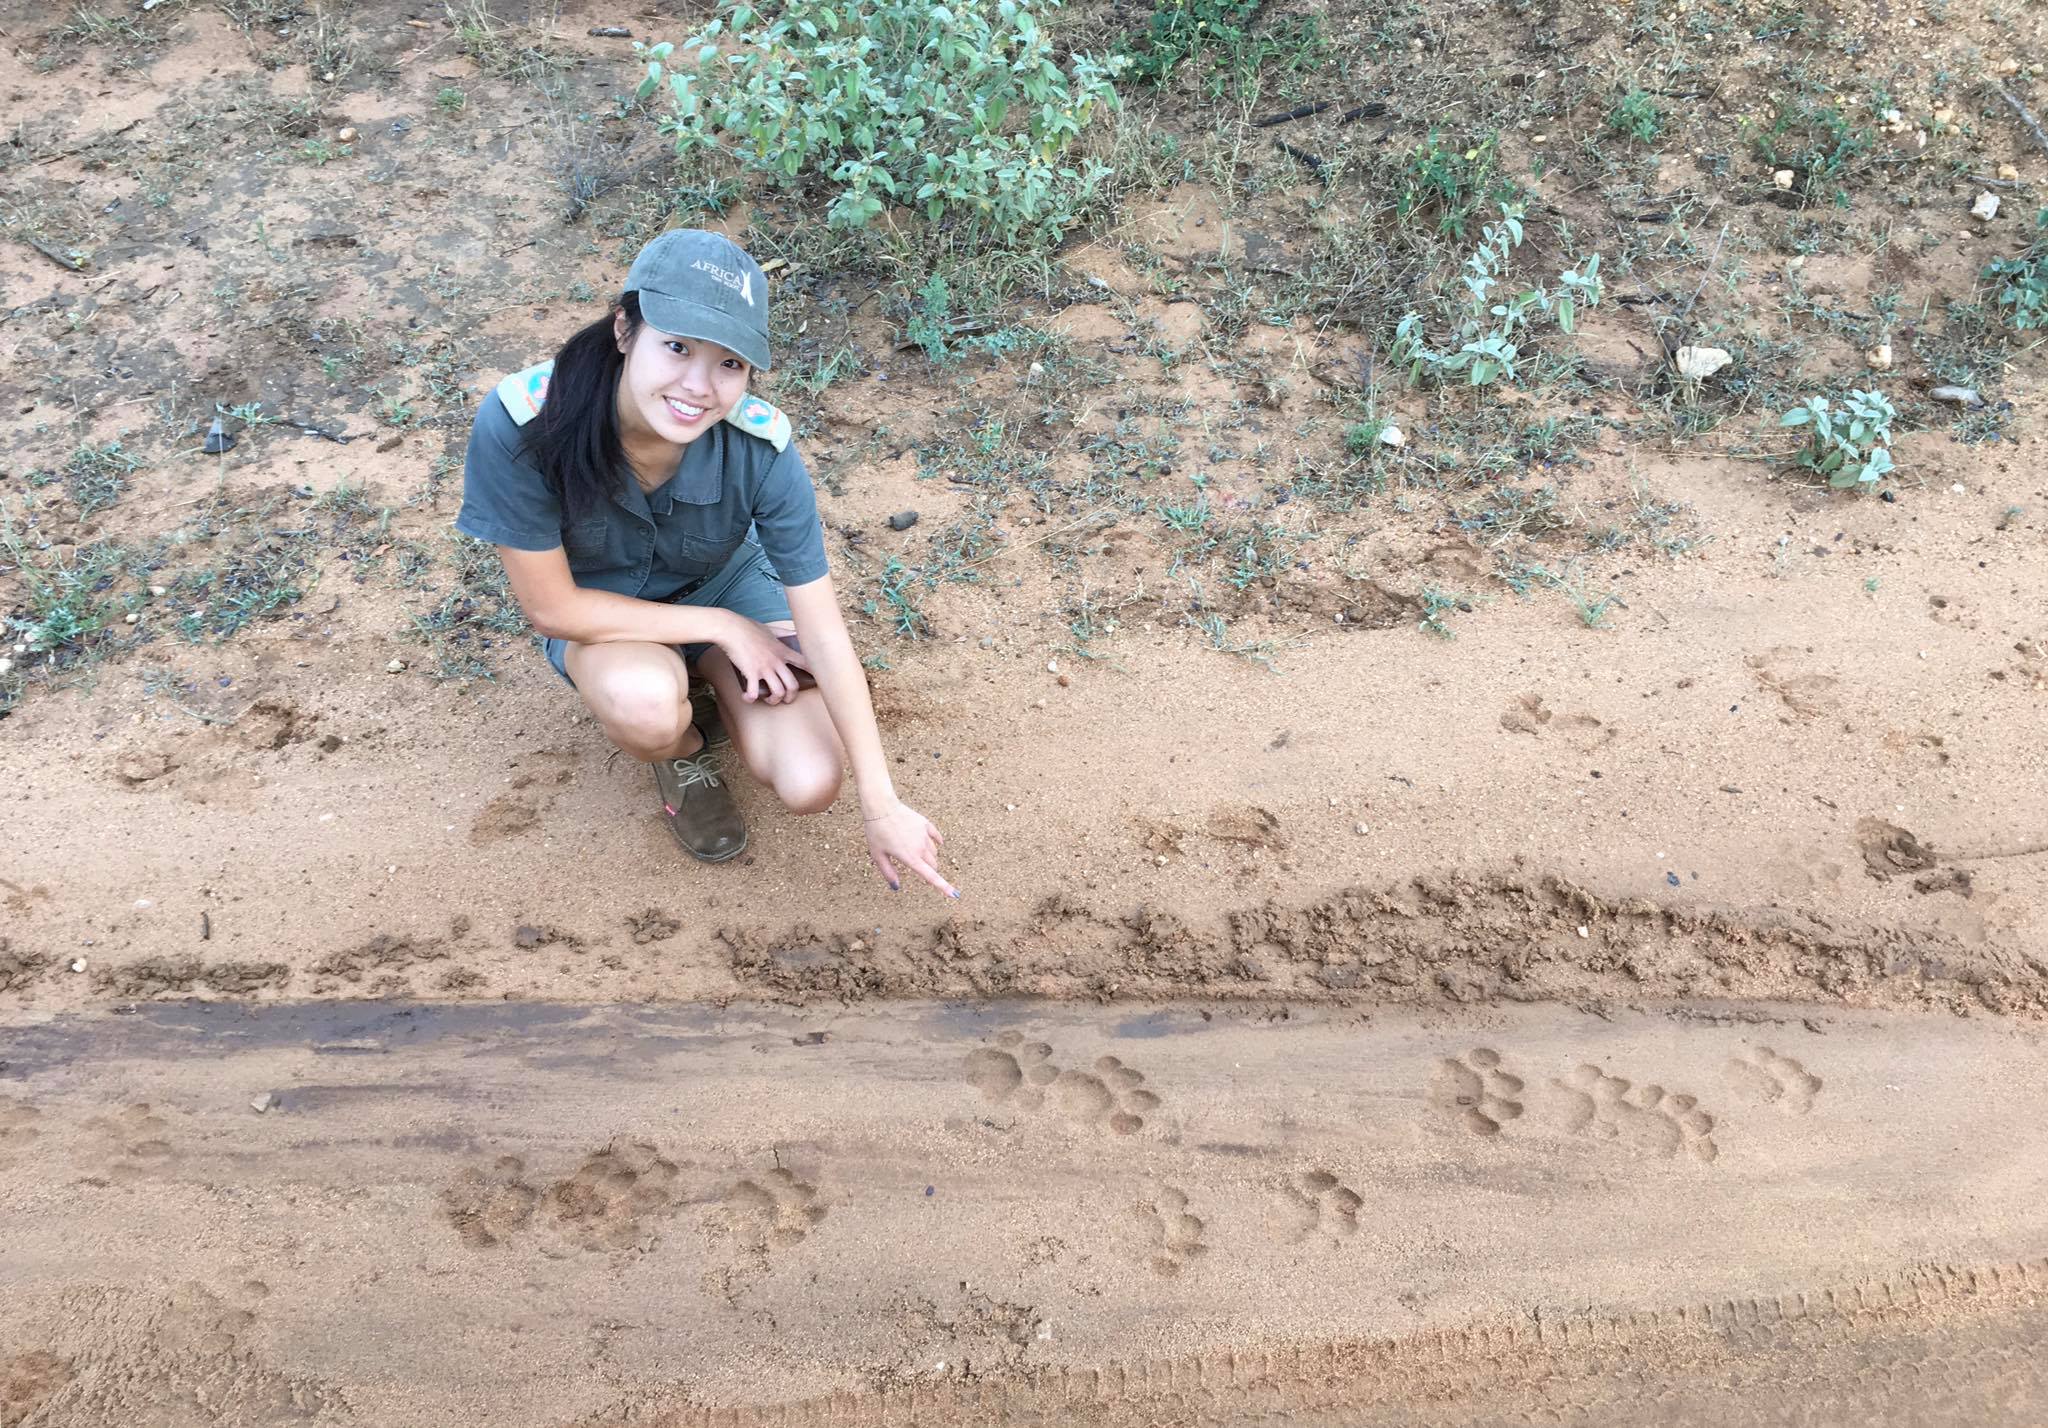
17, 1128
610, 1200
1172, 1237
489, 1204
1314, 1205
606, 1204
1022, 1073
1475, 1091
773, 1209
1647, 1119
133, 1141
1775, 1080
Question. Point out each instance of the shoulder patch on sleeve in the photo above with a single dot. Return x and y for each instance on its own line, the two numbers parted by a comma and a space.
523, 393
758, 418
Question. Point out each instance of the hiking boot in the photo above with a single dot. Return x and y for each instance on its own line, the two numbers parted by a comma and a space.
699, 807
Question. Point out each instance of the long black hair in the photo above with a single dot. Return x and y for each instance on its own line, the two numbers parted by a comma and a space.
575, 439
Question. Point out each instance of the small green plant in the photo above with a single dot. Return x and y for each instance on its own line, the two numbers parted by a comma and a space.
2023, 281
1635, 116
1437, 603
1487, 332
932, 323
959, 110
97, 474
1850, 445
1452, 181
1362, 438
450, 100
1818, 145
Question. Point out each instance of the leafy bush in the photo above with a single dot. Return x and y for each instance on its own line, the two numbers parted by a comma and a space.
1850, 446
2023, 281
955, 109
1488, 350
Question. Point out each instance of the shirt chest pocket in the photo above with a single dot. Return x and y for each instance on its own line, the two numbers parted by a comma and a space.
584, 542
691, 544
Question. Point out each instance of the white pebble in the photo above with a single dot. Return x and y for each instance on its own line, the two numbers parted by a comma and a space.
1958, 489
1585, 932
1391, 435
158, 591
5, 664
327, 818
396, 666
79, 965
143, 902
1052, 666
1784, 178
1361, 829
1986, 206
262, 1103
133, 617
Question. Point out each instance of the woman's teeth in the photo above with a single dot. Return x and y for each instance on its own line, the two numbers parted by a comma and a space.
681, 412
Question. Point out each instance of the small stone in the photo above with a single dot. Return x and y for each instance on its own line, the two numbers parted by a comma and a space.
1942, 114
1036, 369
1696, 364
2008, 173
1879, 357
1038, 703
131, 618
5, 664
1960, 396
158, 591
902, 520
1892, 116
142, 904
1986, 206
1391, 435
1585, 931
347, 136
1784, 178
1360, 829
1065, 680
2008, 66
78, 965
263, 1103
396, 666
1160, 860
217, 439
1957, 488
1052, 666
988, 642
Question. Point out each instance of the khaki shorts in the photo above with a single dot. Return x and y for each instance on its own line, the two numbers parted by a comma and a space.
747, 586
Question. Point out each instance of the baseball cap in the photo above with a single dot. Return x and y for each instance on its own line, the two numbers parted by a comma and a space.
696, 283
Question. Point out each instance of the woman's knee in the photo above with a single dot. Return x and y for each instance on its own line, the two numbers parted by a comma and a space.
642, 709
809, 785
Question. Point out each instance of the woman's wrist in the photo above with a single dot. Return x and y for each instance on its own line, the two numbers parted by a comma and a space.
874, 810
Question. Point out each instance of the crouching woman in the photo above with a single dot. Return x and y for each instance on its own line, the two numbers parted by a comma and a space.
656, 522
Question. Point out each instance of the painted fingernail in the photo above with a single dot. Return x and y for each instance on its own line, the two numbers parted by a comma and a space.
895, 887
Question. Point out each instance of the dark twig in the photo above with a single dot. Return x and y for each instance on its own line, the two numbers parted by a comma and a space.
61, 259
93, 142
2026, 117
1318, 166
1372, 110
1301, 112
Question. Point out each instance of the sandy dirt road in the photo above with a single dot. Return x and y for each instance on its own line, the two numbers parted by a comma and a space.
936, 1213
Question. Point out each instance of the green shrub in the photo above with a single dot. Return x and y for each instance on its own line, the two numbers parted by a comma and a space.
1850, 446
2023, 281
1817, 144
1635, 115
959, 110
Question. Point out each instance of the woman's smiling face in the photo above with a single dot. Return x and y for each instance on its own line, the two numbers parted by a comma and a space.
674, 389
